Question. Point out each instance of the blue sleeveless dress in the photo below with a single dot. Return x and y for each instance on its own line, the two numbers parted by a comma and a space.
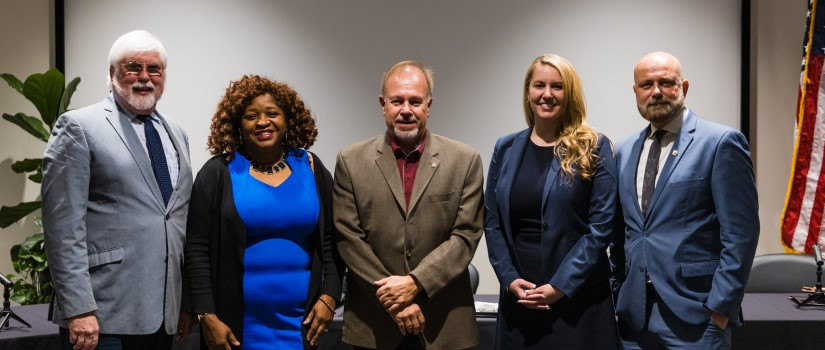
279, 222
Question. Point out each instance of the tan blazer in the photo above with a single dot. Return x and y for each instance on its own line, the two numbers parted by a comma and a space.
433, 239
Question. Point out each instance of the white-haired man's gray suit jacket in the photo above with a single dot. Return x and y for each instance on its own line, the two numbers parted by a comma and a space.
113, 247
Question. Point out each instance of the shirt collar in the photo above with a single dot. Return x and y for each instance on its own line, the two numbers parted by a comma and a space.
674, 126
399, 152
123, 110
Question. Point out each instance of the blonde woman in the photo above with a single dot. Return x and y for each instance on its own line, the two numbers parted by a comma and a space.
551, 201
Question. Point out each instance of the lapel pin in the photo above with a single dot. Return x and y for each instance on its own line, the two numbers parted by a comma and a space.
433, 164
675, 152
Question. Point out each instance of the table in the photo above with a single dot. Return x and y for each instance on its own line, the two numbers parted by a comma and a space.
771, 322
42, 335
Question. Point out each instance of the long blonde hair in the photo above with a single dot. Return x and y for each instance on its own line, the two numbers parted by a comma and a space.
576, 141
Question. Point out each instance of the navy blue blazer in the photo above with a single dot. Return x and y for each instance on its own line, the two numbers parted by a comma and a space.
577, 217
698, 239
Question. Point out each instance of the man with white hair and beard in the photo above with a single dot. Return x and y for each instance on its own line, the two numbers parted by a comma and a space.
116, 184
691, 220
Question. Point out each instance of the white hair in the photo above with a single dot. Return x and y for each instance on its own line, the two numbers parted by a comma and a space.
134, 42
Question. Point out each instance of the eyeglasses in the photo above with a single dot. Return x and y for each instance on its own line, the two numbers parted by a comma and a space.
134, 68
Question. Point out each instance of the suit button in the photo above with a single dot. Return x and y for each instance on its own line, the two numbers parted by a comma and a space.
167, 216
408, 253
641, 269
546, 227
647, 234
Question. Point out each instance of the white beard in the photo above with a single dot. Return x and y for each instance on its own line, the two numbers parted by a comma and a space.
139, 102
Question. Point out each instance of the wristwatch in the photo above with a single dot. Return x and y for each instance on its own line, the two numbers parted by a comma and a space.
202, 315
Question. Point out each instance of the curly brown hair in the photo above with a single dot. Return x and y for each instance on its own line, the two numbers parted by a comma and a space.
225, 136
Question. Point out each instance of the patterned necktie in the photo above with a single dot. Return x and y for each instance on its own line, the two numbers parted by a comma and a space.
651, 169
158, 157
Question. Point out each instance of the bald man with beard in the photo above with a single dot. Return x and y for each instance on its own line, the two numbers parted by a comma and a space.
691, 221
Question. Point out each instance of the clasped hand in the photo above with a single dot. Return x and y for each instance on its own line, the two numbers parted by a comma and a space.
533, 297
409, 320
396, 292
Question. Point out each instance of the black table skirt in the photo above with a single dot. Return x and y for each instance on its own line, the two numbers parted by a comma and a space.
771, 322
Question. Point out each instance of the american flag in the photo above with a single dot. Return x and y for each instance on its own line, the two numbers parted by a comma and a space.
802, 224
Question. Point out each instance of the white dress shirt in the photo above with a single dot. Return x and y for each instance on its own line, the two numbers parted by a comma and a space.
172, 159
667, 141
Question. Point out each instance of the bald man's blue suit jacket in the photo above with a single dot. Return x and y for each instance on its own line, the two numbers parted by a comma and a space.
698, 239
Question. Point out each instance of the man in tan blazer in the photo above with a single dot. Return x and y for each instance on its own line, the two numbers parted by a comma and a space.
407, 207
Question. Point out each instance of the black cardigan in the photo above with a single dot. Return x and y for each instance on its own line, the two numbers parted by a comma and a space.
216, 241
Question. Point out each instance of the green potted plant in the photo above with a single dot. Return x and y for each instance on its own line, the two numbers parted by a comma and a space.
51, 96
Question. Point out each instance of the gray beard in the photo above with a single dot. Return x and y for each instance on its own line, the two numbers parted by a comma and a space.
405, 136
663, 112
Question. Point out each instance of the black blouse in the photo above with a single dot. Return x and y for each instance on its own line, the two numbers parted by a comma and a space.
525, 210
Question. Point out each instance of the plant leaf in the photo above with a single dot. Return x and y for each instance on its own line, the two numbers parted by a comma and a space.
66, 98
23, 293
37, 177
25, 255
43, 264
27, 165
30, 124
44, 91
13, 82
17, 266
31, 241
14, 251
16, 260
10, 215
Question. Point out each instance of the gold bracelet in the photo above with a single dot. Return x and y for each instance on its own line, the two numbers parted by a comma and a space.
331, 309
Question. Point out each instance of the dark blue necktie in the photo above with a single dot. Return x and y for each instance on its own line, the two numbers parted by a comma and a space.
158, 157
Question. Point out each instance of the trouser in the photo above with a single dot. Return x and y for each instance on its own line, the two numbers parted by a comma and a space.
408, 342
663, 330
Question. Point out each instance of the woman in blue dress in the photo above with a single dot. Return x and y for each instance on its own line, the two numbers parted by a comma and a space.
262, 267
550, 204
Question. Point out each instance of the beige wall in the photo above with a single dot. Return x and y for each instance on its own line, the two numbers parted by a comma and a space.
777, 29
479, 57
25, 38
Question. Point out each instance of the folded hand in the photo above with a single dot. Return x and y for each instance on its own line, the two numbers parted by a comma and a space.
396, 292
409, 320
541, 298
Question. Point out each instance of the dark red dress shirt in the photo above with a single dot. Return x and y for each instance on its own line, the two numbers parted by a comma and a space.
407, 163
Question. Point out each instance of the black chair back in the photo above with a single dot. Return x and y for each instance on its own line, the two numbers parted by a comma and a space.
781, 273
